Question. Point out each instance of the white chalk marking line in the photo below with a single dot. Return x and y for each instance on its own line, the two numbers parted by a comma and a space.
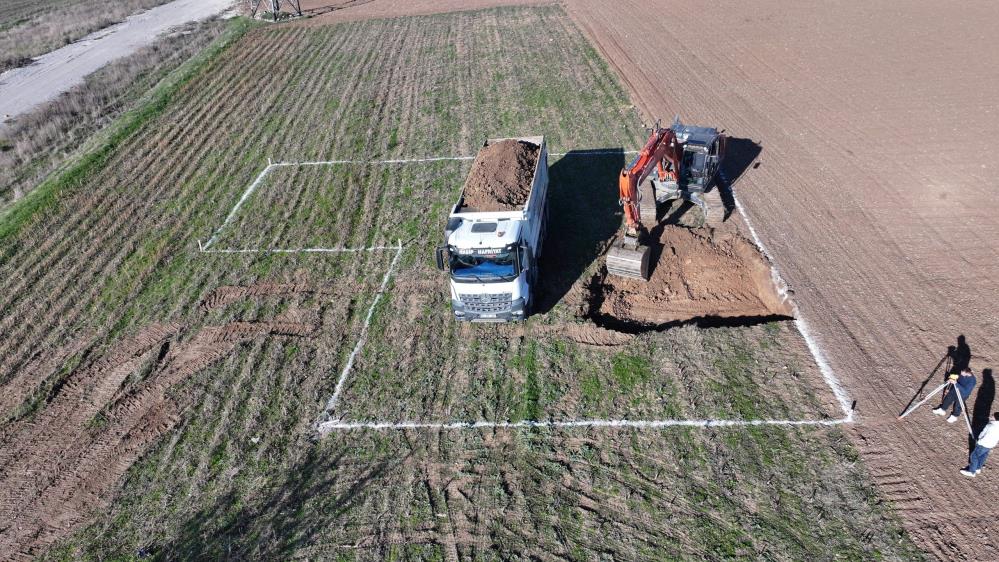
299, 250
827, 373
232, 213
271, 165
331, 403
324, 427
329, 426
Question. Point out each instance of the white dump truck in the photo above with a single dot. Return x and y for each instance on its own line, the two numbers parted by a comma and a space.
495, 232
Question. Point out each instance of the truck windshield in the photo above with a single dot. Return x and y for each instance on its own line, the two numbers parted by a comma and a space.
483, 268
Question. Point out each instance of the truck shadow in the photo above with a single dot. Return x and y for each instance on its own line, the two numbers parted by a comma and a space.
583, 217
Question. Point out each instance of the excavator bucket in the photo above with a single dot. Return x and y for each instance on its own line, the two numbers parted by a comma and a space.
628, 259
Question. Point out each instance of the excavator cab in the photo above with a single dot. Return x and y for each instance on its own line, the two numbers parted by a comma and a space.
680, 162
703, 149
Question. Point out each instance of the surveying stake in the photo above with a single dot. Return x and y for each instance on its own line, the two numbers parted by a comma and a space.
953, 388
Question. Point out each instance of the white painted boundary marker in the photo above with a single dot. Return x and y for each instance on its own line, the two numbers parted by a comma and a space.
331, 403
299, 250
838, 391
206, 247
324, 427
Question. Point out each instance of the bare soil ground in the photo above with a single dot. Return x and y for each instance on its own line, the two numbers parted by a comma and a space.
236, 470
500, 178
882, 221
698, 274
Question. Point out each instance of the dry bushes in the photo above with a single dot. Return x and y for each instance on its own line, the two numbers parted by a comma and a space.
29, 29
36, 143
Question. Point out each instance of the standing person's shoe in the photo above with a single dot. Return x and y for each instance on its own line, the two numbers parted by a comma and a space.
977, 471
968, 473
952, 419
939, 411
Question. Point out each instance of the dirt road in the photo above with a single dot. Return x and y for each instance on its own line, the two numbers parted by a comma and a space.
875, 192
23, 89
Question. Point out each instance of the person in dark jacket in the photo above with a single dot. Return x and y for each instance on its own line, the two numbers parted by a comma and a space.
965, 383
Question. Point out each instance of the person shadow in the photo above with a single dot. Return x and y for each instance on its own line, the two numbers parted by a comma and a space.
981, 412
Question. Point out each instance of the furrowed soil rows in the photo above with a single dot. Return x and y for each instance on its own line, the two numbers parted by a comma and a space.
338, 205
225, 462
890, 254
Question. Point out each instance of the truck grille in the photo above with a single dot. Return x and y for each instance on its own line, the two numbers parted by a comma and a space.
499, 302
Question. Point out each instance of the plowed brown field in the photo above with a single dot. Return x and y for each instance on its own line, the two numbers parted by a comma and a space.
875, 193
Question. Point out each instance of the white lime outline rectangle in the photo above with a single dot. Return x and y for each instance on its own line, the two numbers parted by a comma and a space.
328, 420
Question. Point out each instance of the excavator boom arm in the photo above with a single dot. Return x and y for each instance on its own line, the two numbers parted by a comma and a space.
661, 153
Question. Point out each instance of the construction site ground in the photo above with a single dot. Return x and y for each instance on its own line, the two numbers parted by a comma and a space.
880, 216
163, 397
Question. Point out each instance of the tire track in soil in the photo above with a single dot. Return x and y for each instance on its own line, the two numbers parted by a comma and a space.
36, 370
42, 500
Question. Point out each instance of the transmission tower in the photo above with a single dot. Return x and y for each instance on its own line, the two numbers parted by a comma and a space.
275, 6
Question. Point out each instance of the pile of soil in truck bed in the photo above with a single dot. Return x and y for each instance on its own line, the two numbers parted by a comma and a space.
500, 179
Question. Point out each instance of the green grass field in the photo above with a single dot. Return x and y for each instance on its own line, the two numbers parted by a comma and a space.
238, 472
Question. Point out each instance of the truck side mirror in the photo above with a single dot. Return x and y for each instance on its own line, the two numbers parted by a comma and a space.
439, 256
528, 260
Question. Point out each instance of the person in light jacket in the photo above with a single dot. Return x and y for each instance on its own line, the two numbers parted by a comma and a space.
987, 439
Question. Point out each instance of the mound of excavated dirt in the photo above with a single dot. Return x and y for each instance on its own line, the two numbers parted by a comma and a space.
500, 179
699, 273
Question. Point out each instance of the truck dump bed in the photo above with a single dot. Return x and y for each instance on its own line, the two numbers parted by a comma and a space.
502, 176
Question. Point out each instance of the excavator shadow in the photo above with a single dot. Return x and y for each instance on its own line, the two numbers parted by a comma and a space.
740, 154
583, 215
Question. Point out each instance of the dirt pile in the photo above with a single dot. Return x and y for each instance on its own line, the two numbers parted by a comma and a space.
500, 178
697, 274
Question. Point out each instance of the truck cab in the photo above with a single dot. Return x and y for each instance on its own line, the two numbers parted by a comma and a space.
492, 256
493, 269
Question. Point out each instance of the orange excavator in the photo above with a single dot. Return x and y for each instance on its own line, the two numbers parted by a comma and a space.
680, 161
